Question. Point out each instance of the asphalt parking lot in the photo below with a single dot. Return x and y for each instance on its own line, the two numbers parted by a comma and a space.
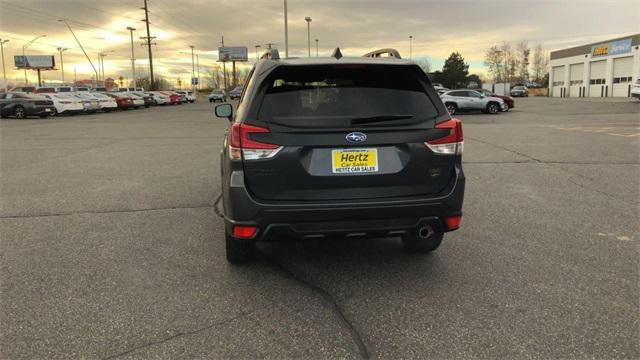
111, 248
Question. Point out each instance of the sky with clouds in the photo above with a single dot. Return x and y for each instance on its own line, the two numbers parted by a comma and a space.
356, 26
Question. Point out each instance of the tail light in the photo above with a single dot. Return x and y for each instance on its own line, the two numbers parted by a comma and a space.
241, 145
244, 232
451, 144
453, 222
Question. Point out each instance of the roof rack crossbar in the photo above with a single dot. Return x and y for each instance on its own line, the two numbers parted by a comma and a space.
271, 54
378, 53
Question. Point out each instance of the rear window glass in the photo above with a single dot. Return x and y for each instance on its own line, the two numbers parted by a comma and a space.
312, 96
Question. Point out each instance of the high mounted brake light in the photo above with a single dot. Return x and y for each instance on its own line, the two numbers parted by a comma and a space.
450, 144
242, 145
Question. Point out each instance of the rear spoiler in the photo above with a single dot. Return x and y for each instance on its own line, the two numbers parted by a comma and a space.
378, 53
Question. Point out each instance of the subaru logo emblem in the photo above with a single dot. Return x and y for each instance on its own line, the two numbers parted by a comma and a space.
356, 137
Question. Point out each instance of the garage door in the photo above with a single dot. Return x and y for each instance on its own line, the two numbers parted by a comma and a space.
575, 80
558, 81
597, 71
622, 76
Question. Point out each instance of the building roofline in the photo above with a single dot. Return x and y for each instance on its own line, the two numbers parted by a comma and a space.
586, 49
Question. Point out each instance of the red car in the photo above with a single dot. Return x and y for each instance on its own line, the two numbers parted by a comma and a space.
507, 99
174, 98
124, 102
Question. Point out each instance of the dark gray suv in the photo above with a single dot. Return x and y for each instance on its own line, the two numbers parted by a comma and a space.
339, 147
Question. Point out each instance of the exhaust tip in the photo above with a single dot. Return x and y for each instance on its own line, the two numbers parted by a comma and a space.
425, 232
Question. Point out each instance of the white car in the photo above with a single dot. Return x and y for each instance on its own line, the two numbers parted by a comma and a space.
91, 103
137, 100
65, 104
635, 90
471, 100
107, 103
159, 98
189, 95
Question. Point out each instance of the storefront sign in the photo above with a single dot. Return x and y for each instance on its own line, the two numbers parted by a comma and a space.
612, 48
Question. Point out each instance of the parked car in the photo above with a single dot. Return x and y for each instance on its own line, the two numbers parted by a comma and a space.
90, 103
175, 99
188, 95
123, 101
21, 105
471, 100
440, 89
64, 104
23, 89
217, 95
507, 99
82, 89
147, 99
159, 98
635, 90
45, 90
138, 101
65, 89
339, 147
236, 93
520, 91
107, 103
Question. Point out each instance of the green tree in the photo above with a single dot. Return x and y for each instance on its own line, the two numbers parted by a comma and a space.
455, 71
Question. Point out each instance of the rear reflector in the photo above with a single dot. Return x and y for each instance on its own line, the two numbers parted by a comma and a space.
451, 144
244, 232
453, 222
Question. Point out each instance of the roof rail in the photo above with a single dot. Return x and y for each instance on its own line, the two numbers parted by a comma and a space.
271, 54
378, 53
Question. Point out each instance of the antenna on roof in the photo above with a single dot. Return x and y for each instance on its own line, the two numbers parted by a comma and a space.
336, 53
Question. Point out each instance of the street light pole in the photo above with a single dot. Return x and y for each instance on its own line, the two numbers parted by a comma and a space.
286, 31
317, 47
4, 71
410, 46
257, 46
24, 58
62, 62
133, 57
193, 69
308, 20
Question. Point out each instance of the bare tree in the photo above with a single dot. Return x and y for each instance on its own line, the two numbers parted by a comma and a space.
494, 60
424, 64
540, 63
523, 54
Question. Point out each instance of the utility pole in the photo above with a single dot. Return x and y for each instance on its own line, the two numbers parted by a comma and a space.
133, 57
149, 38
317, 47
198, 70
257, 57
26, 80
4, 71
308, 20
62, 62
224, 67
82, 48
286, 32
193, 70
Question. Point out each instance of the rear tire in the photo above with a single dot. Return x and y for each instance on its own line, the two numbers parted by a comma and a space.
452, 108
239, 250
19, 112
415, 244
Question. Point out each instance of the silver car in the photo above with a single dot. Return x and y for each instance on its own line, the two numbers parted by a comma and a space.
471, 100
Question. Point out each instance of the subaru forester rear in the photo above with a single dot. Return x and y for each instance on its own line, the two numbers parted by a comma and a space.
339, 147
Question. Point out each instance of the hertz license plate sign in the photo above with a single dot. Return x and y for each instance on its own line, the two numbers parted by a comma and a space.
354, 161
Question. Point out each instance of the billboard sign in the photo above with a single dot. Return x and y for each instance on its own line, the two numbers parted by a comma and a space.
612, 48
34, 61
233, 53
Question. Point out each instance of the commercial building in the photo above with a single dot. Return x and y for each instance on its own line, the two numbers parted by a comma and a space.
603, 69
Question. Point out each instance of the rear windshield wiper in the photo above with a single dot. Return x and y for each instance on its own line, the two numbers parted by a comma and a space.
379, 118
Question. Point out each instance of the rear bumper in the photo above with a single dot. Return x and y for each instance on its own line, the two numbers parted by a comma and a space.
375, 218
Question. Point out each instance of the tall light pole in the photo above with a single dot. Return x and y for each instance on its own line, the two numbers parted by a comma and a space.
286, 31
101, 63
133, 57
81, 47
410, 46
62, 62
308, 20
4, 72
26, 81
317, 47
257, 46
198, 71
193, 69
